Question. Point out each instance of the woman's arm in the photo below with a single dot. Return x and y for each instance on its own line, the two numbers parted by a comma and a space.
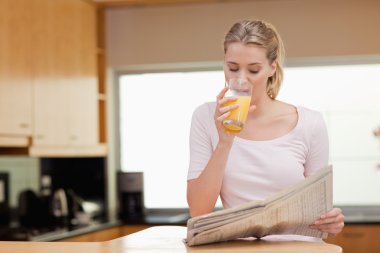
203, 191
331, 222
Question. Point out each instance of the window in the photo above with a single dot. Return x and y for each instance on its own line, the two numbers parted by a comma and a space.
348, 96
155, 117
156, 110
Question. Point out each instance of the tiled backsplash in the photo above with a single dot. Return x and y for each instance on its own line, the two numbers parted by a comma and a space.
23, 174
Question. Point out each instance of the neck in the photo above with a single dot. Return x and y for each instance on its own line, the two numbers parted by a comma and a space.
264, 107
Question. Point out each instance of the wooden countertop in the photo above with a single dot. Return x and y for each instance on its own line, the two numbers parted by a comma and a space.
165, 239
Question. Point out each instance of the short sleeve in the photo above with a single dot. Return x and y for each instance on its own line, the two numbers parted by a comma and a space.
200, 142
318, 153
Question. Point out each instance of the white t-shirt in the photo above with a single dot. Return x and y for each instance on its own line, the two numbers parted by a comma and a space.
256, 170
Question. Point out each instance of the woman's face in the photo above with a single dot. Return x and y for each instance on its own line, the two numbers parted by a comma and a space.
249, 61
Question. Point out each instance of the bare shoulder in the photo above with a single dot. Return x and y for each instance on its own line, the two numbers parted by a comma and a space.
285, 110
286, 117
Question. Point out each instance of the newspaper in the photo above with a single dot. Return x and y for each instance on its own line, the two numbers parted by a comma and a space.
290, 211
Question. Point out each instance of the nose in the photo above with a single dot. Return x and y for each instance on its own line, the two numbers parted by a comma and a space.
242, 75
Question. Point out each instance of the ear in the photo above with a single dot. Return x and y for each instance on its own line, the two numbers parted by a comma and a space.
273, 68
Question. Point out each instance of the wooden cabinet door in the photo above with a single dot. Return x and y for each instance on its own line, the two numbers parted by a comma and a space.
82, 114
15, 68
82, 89
65, 83
49, 57
48, 71
50, 117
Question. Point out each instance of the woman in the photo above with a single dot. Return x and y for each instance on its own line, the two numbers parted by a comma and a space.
279, 145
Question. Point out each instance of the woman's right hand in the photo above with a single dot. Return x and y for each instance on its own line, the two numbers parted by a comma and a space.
221, 113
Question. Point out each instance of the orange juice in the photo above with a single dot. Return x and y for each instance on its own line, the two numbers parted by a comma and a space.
235, 121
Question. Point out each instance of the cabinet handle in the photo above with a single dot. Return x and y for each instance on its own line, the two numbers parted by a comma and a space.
24, 125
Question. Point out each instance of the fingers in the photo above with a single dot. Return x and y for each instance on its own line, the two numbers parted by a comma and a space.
332, 213
222, 112
333, 216
338, 218
222, 93
331, 222
332, 228
326, 221
223, 116
228, 108
222, 101
252, 108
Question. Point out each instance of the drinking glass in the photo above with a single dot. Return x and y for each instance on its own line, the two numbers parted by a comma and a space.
242, 90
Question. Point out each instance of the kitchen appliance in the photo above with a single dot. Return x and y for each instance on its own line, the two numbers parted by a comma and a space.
30, 209
69, 174
60, 208
131, 196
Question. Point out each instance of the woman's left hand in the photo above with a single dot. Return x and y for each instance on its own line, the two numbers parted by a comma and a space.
331, 222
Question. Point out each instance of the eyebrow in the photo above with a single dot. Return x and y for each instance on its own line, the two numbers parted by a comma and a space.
254, 63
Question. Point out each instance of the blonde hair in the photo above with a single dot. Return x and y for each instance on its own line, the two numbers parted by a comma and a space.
264, 35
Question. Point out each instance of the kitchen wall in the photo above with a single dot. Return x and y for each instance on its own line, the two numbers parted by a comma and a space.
194, 32
23, 174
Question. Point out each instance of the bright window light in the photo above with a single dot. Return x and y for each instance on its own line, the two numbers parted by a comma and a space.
155, 117
156, 110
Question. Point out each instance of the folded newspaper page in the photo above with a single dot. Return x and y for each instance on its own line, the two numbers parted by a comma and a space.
290, 211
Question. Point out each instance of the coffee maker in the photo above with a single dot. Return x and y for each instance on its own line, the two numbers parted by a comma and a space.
131, 196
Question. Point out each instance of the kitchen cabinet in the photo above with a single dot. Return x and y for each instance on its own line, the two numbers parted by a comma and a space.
83, 92
358, 238
49, 92
65, 84
15, 72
